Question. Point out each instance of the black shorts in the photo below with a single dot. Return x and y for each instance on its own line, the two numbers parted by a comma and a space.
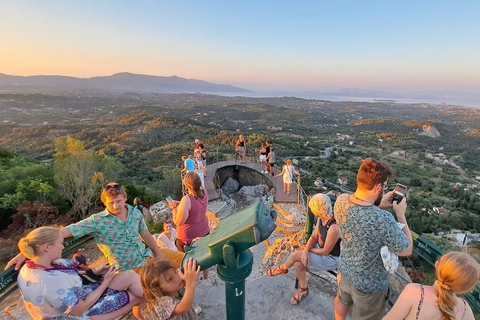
271, 164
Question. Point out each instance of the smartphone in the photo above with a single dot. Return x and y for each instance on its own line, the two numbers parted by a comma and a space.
170, 200
399, 192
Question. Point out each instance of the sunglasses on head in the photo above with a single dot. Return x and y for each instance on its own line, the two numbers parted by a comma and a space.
115, 186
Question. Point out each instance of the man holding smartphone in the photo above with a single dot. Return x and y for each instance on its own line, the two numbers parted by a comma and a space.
365, 227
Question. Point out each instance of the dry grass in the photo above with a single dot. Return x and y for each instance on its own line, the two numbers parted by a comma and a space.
281, 249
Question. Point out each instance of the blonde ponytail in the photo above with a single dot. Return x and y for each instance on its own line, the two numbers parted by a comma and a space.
446, 301
456, 273
29, 245
25, 249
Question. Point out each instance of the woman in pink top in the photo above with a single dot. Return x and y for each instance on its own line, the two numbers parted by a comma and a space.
190, 214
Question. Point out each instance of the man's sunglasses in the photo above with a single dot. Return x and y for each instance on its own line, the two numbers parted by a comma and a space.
115, 186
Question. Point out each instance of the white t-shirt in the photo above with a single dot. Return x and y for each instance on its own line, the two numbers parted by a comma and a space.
164, 242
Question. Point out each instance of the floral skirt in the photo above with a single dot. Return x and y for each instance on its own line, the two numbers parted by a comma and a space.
110, 300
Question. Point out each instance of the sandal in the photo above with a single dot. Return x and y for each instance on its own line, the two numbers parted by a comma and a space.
275, 271
297, 297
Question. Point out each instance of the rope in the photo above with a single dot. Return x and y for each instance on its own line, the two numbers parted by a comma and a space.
414, 270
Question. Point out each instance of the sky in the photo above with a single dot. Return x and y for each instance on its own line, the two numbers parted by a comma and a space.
271, 45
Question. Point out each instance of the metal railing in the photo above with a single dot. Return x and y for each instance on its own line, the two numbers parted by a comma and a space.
302, 197
182, 179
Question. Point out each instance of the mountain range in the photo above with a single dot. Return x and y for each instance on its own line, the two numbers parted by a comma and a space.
119, 82
139, 83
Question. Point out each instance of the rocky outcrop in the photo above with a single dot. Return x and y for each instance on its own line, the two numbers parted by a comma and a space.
429, 131
252, 194
160, 211
229, 201
234, 196
230, 186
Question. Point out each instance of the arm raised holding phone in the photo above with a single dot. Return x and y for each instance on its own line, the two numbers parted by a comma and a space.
172, 203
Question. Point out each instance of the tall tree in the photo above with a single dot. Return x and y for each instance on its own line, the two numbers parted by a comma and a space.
80, 174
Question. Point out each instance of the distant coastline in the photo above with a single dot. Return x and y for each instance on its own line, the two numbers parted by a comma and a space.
335, 98
145, 84
384, 100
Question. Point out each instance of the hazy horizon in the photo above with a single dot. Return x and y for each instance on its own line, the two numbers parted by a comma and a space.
372, 94
269, 45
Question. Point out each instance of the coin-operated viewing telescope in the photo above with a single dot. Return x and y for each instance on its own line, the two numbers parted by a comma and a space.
227, 247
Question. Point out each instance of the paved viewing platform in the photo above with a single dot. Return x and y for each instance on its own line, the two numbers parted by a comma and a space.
267, 297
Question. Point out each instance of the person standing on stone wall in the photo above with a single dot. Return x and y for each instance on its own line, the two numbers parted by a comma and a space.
196, 147
203, 154
189, 164
287, 172
263, 158
241, 148
271, 157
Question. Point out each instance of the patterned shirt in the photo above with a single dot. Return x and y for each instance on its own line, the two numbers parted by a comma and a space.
164, 308
364, 230
119, 242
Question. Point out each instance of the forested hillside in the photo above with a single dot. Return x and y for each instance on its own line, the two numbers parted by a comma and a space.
138, 140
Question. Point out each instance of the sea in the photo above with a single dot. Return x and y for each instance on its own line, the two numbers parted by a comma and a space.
317, 96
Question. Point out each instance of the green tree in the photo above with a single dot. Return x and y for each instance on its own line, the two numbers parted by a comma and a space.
9, 201
171, 184
33, 190
80, 174
22, 179
41, 189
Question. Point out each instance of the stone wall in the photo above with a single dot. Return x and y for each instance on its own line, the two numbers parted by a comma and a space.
245, 176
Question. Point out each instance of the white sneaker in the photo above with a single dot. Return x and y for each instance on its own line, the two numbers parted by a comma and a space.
196, 308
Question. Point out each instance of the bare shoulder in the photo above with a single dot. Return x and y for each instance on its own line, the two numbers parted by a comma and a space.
461, 303
412, 290
333, 227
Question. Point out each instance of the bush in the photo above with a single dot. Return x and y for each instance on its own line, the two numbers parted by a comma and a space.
170, 185
154, 226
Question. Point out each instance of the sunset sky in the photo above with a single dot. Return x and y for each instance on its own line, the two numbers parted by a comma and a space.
282, 45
